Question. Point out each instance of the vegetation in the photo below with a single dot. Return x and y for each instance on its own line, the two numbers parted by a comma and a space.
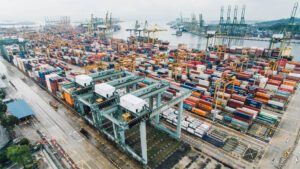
272, 22
2, 94
9, 122
19, 154
24, 141
278, 25
3, 107
3, 157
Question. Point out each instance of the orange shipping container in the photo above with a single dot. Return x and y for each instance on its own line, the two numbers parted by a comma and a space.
199, 112
69, 98
289, 83
237, 82
265, 101
263, 95
196, 94
286, 70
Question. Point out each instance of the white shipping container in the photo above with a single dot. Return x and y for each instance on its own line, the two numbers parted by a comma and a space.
190, 119
207, 93
263, 82
204, 76
290, 66
276, 103
287, 87
271, 87
190, 130
218, 74
184, 124
200, 68
104, 90
219, 117
204, 82
47, 77
200, 131
132, 103
83, 80
255, 113
296, 75
201, 88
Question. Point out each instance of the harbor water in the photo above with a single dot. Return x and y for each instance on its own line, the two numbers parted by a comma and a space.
195, 41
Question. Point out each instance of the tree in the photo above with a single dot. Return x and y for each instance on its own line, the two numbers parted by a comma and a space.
9, 122
3, 158
24, 141
19, 154
12, 121
2, 94
3, 107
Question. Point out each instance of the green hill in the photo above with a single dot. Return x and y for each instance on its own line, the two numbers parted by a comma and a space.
272, 22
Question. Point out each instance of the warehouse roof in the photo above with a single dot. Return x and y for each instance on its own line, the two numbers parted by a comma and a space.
20, 109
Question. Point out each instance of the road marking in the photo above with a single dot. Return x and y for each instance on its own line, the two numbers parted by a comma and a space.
62, 140
82, 164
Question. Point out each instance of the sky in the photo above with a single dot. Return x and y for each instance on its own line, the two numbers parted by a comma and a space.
151, 10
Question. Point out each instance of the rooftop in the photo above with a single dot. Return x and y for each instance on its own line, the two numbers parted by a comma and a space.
20, 109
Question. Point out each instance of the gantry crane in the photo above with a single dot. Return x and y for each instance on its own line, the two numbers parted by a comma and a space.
272, 65
113, 119
226, 80
154, 31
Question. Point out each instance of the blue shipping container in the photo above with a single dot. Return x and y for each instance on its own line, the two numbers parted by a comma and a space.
253, 103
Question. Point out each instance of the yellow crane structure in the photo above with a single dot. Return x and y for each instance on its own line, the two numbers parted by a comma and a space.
272, 65
179, 64
161, 57
220, 51
227, 80
201, 55
126, 62
242, 61
100, 65
154, 31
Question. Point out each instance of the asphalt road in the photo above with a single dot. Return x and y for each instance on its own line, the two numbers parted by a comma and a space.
55, 124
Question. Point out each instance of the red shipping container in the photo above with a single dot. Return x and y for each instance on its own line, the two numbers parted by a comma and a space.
274, 82
235, 103
278, 77
193, 99
246, 112
238, 97
172, 91
284, 89
205, 102
292, 78
253, 108
280, 97
189, 103
242, 119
